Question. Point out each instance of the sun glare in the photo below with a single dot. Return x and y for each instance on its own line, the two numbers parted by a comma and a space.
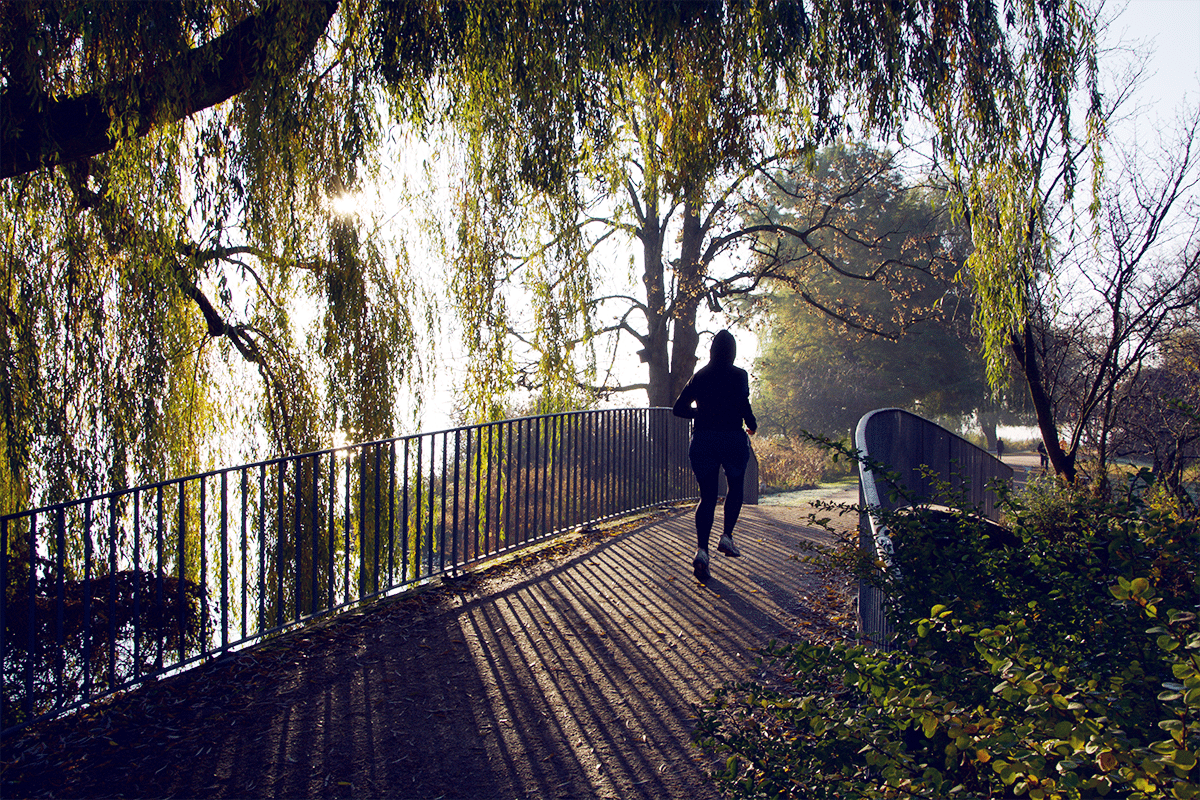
345, 205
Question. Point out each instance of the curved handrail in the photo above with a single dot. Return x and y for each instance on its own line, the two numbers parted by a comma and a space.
902, 456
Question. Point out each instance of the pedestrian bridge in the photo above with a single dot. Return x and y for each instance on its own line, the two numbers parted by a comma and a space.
559, 657
569, 672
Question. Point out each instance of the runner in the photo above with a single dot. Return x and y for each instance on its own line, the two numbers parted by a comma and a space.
717, 400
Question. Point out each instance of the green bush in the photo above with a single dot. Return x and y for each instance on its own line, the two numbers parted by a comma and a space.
1056, 658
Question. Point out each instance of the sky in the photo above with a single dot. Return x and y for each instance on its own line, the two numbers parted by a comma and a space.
1168, 33
1172, 28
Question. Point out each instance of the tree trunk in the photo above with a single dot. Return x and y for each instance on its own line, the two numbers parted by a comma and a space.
689, 276
1023, 348
654, 351
987, 423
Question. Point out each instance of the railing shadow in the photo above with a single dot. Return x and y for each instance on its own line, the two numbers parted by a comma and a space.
574, 677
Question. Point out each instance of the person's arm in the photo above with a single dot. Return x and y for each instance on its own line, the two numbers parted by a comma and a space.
747, 412
683, 405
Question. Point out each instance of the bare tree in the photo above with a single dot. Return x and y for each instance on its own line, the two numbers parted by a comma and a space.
850, 216
1160, 419
1105, 306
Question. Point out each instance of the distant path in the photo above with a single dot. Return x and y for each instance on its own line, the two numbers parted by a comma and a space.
572, 674
1026, 466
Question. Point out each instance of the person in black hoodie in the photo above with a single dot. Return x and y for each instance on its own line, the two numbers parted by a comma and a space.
717, 400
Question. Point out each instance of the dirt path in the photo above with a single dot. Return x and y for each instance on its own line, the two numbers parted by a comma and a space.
572, 673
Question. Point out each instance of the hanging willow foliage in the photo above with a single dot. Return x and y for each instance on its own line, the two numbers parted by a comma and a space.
167, 168
176, 288
657, 109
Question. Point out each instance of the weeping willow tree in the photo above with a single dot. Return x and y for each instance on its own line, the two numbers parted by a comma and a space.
177, 292
176, 286
174, 280
1028, 220
652, 121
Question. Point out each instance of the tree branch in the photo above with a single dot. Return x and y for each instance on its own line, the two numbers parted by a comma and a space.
40, 131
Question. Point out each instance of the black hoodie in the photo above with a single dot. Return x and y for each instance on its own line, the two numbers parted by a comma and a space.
719, 390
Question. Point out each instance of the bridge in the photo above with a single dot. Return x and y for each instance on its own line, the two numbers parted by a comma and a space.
104, 593
494, 611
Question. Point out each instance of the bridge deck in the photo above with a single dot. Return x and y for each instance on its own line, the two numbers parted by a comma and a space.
571, 674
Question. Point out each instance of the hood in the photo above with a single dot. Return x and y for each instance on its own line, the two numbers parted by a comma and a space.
723, 349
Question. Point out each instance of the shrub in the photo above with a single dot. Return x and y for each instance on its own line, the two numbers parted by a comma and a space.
1058, 659
785, 464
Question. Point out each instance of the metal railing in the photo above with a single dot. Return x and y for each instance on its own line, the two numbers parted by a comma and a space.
108, 591
925, 461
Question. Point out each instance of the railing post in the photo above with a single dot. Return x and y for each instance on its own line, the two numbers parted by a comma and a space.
280, 528
137, 583
391, 581
31, 651
454, 532
314, 524
262, 546
375, 530
112, 591
224, 558
245, 496
405, 528
60, 546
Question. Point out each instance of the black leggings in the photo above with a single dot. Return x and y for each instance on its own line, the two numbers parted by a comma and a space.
711, 451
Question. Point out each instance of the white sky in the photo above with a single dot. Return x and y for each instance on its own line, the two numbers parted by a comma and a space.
1172, 29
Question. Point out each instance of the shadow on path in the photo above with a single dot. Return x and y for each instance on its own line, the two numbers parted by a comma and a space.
560, 676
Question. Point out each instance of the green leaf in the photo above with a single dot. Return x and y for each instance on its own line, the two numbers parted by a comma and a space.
1173, 727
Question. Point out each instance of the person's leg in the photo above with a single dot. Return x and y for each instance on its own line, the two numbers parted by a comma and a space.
733, 500
734, 461
707, 471
708, 477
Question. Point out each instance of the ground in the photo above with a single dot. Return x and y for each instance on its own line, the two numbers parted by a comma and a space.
571, 672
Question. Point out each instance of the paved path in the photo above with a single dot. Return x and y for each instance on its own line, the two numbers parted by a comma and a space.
567, 676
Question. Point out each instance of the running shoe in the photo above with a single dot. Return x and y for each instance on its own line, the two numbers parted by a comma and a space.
728, 547
700, 566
